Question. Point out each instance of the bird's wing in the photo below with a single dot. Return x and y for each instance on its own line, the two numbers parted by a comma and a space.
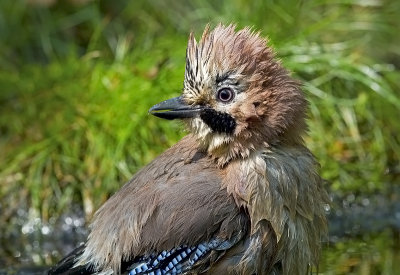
184, 258
174, 212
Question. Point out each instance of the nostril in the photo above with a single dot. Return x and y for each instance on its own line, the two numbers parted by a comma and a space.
256, 104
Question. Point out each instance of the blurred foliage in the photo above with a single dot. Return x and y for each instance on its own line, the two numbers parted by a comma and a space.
378, 254
77, 78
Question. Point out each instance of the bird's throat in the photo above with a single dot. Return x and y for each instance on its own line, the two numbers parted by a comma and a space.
219, 122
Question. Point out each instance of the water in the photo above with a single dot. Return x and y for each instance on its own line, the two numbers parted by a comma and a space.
28, 241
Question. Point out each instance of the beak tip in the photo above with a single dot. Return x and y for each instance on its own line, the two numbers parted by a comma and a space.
154, 108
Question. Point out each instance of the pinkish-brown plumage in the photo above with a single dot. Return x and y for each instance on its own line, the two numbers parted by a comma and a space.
242, 179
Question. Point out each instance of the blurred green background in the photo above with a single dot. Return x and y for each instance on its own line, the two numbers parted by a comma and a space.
77, 78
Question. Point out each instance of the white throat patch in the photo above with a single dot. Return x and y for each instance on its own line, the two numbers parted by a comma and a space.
207, 137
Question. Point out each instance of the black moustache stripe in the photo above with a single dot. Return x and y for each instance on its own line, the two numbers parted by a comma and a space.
218, 122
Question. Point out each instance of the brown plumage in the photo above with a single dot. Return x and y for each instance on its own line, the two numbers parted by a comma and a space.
242, 184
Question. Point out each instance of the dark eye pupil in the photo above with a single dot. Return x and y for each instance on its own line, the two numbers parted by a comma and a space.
225, 95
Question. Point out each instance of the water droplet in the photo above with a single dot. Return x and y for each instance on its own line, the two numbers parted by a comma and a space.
365, 201
27, 228
68, 220
45, 230
77, 222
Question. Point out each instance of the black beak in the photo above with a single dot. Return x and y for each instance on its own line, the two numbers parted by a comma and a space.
174, 108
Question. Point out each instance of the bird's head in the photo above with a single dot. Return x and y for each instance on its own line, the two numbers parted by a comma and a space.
237, 98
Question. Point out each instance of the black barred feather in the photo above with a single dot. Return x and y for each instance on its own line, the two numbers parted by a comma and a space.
181, 259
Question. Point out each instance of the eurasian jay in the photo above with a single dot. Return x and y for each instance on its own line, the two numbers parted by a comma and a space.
240, 194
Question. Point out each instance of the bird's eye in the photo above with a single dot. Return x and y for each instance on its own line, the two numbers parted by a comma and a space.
225, 95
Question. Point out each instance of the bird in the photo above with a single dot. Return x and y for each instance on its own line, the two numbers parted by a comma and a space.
239, 194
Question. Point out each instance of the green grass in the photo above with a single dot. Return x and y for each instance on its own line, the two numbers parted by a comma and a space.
77, 81
371, 254
85, 130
